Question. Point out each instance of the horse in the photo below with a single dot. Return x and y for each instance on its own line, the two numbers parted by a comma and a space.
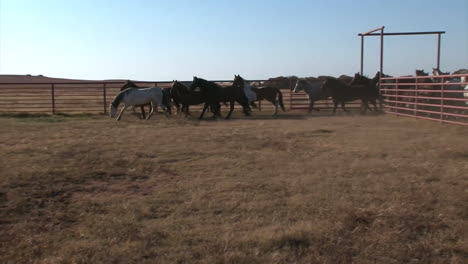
135, 97
268, 93
342, 93
166, 98
181, 95
213, 94
372, 88
314, 91
130, 84
437, 72
464, 80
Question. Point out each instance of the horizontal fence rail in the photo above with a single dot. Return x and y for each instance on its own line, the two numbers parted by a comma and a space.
95, 97
442, 98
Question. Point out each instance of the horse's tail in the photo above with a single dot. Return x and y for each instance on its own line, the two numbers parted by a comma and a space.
280, 100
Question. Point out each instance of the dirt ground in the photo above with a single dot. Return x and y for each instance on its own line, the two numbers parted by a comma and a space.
296, 189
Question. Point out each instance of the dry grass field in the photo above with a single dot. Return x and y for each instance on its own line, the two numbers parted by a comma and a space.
297, 189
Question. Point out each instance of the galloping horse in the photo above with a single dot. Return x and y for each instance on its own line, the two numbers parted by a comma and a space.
342, 93
181, 95
135, 97
268, 93
372, 90
213, 94
314, 91
166, 97
130, 84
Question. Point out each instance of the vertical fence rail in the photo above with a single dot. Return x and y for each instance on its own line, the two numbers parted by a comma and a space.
442, 101
290, 96
104, 97
52, 97
415, 106
396, 97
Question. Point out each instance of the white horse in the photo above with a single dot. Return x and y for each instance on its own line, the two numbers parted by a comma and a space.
133, 97
463, 80
249, 93
457, 86
314, 92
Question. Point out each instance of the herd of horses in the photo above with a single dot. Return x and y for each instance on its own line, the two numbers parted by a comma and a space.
213, 96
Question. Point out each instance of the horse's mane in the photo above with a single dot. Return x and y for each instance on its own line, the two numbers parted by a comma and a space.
129, 84
119, 97
208, 84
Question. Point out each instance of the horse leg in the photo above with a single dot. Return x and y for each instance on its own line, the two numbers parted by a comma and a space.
177, 105
204, 109
254, 105
335, 105
121, 112
374, 103
343, 107
153, 107
142, 111
275, 113
166, 110
246, 109
231, 108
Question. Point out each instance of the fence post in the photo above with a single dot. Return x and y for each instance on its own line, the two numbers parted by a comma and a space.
396, 98
290, 96
442, 95
104, 97
416, 93
52, 94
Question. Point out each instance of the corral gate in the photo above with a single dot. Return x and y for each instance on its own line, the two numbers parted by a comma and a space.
443, 98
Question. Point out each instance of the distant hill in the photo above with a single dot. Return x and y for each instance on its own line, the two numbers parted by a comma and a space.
13, 78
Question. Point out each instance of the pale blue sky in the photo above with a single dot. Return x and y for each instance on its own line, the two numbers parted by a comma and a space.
215, 39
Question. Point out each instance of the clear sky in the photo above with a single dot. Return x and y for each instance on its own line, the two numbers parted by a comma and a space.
215, 39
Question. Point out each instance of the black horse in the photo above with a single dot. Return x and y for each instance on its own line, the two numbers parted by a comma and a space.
181, 95
268, 93
342, 93
166, 96
372, 88
213, 94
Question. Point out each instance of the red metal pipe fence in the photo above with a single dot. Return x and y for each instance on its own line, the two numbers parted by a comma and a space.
441, 98
94, 97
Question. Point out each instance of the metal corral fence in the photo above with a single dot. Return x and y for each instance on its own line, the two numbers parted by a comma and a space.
95, 97
441, 98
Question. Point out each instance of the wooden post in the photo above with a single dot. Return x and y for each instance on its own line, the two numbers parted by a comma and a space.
52, 94
104, 97
290, 96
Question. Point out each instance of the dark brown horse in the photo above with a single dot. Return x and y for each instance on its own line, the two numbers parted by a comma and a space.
372, 88
213, 94
269, 93
342, 93
181, 95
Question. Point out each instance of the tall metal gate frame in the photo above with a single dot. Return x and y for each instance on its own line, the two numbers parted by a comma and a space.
371, 33
443, 98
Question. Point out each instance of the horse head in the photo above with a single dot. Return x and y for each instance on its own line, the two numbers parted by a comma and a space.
128, 84
421, 73
299, 85
238, 82
359, 79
